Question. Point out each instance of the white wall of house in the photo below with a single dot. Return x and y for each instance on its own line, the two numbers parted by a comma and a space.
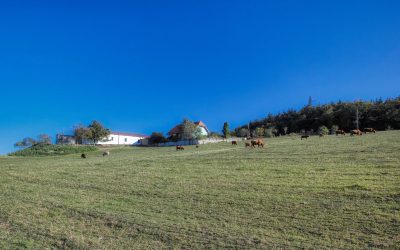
116, 139
203, 131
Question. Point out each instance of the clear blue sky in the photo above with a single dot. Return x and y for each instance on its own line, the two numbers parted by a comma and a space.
142, 66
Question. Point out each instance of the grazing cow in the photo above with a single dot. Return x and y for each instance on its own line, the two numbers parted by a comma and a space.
197, 146
247, 144
83, 156
179, 148
355, 132
369, 130
304, 137
321, 135
106, 153
234, 143
258, 143
340, 132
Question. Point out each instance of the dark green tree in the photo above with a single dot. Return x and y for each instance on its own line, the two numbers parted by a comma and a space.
157, 137
225, 129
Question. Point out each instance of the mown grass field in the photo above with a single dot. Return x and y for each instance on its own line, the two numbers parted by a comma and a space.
331, 192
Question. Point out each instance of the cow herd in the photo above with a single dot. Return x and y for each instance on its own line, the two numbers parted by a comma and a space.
354, 132
260, 143
252, 144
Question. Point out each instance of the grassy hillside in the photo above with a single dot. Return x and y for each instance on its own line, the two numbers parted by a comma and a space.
51, 150
340, 192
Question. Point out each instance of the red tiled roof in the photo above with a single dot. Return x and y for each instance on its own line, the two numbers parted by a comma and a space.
129, 134
201, 124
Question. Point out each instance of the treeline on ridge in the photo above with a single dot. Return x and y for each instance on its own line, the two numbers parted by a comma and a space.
378, 114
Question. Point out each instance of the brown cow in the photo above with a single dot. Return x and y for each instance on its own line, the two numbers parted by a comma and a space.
258, 143
179, 148
304, 136
247, 144
355, 132
234, 143
340, 132
321, 135
369, 130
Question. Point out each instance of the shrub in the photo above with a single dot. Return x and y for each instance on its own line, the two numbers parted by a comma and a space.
243, 132
323, 130
52, 150
334, 128
269, 132
259, 132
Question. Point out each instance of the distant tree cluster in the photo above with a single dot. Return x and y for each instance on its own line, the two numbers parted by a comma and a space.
29, 141
92, 133
379, 114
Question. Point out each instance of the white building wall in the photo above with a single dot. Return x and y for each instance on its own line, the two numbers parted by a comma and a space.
203, 131
115, 139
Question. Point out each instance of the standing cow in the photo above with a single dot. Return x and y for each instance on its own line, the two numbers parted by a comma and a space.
369, 130
258, 143
340, 132
355, 132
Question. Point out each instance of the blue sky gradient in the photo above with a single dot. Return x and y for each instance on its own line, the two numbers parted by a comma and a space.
142, 66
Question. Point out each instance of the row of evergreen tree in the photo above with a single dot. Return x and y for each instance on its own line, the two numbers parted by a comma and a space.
378, 114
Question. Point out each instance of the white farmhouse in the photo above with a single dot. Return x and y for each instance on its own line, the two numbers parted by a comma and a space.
120, 138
